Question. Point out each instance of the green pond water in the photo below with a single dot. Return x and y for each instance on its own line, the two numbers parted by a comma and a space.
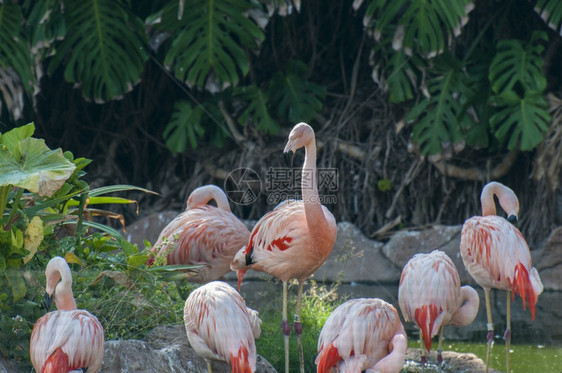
524, 358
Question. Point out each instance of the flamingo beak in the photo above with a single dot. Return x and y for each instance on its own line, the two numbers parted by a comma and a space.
289, 158
48, 300
512, 219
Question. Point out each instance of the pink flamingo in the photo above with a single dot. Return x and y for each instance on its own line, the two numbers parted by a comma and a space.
67, 339
362, 334
430, 294
293, 240
219, 326
497, 256
203, 234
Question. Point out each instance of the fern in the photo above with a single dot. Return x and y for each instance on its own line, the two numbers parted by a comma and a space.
551, 13
296, 98
102, 49
185, 125
518, 83
256, 110
210, 37
424, 25
440, 118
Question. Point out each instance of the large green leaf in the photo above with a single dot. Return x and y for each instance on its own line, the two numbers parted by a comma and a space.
210, 37
551, 13
296, 98
516, 66
521, 122
46, 24
103, 49
39, 169
185, 126
256, 110
440, 117
425, 26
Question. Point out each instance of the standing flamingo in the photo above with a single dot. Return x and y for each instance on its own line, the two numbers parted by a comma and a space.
203, 234
293, 240
68, 339
219, 326
497, 256
362, 334
430, 294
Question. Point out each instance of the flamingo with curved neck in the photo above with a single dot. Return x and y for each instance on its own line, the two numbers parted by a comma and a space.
293, 240
430, 294
67, 339
203, 234
497, 256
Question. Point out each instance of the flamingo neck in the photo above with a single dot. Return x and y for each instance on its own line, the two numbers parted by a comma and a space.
221, 200
506, 196
313, 209
394, 361
469, 309
64, 300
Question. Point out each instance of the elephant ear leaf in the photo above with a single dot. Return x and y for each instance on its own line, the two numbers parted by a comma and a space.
103, 48
551, 13
210, 40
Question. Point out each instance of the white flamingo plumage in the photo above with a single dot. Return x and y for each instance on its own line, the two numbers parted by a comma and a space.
497, 256
362, 334
430, 294
219, 326
67, 339
203, 234
293, 240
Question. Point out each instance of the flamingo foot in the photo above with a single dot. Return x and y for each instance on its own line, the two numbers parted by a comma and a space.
286, 328
439, 358
423, 360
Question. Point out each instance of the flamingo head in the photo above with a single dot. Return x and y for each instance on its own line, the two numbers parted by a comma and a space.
301, 135
202, 195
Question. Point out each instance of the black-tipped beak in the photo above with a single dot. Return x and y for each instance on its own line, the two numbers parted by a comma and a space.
48, 301
289, 158
512, 219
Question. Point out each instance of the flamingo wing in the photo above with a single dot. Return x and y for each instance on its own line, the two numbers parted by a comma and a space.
496, 255
205, 235
429, 292
67, 340
356, 335
220, 326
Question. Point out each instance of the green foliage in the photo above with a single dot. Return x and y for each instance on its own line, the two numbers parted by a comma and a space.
102, 49
257, 109
210, 37
551, 13
184, 126
296, 98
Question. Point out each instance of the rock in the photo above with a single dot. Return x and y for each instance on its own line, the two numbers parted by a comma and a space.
8, 366
355, 258
148, 228
404, 245
165, 349
548, 261
453, 362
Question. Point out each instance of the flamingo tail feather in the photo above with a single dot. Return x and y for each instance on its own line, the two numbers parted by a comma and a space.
327, 359
425, 318
240, 363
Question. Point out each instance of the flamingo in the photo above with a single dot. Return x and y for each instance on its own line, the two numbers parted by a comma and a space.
203, 234
67, 339
219, 326
362, 334
497, 256
294, 239
430, 294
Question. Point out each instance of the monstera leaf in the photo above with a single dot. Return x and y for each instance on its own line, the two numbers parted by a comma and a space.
551, 13
424, 26
517, 66
103, 48
256, 110
15, 59
440, 118
210, 37
184, 126
296, 98
518, 83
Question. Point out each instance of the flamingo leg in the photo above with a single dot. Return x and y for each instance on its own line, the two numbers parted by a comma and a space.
298, 326
440, 350
209, 366
507, 334
490, 336
286, 327
423, 358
